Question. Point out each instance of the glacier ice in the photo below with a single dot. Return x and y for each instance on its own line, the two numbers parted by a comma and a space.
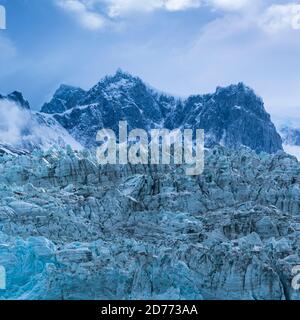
71, 229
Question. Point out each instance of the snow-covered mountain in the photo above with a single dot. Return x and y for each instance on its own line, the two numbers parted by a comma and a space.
291, 139
232, 116
73, 229
290, 135
22, 130
17, 98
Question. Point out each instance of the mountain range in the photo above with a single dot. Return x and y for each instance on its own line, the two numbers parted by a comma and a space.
71, 229
232, 116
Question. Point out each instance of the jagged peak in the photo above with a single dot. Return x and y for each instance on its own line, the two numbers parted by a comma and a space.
112, 84
239, 87
119, 75
242, 92
122, 73
17, 97
64, 98
65, 88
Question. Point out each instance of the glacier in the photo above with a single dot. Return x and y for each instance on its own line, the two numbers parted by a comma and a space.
72, 229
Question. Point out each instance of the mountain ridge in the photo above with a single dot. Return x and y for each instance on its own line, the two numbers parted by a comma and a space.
231, 116
16, 97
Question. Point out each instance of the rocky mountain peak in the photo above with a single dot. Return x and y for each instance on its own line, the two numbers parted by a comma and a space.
65, 97
119, 80
64, 91
241, 96
233, 116
240, 87
115, 87
121, 74
18, 98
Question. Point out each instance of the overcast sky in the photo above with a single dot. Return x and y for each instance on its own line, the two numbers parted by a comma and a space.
179, 46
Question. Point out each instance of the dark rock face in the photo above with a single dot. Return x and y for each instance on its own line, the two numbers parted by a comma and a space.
64, 98
16, 97
232, 116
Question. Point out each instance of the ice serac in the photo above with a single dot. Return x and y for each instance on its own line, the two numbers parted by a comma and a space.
70, 229
233, 116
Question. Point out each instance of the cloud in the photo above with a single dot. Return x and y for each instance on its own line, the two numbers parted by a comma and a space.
230, 5
293, 150
178, 5
2, 17
13, 122
95, 14
121, 7
8, 56
88, 18
281, 17
7, 48
117, 8
21, 128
